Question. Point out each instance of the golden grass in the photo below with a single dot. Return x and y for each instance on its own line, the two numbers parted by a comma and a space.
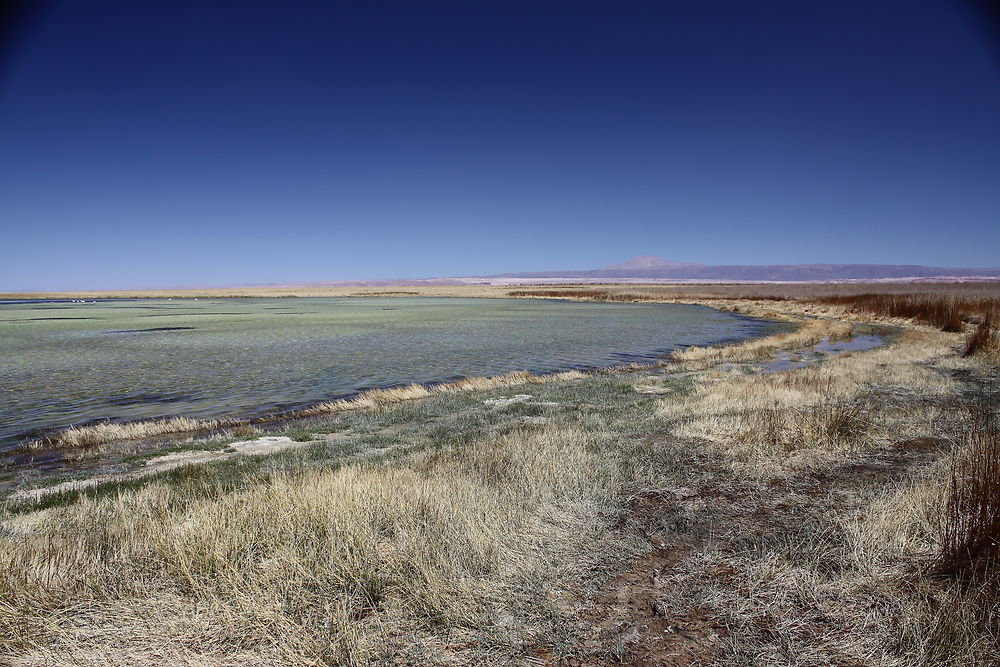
105, 432
807, 333
95, 434
759, 419
379, 397
985, 339
897, 544
351, 566
475, 554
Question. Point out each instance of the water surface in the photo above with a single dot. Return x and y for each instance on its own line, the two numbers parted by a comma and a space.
65, 363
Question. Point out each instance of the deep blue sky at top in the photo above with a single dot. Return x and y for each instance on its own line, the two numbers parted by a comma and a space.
165, 143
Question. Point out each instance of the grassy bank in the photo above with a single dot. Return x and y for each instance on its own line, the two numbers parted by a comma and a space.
835, 514
88, 436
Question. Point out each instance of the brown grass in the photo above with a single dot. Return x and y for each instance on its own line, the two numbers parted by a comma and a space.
472, 555
985, 339
758, 420
946, 312
95, 434
807, 333
105, 432
361, 565
970, 533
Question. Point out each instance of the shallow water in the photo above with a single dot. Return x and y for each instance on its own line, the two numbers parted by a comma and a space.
790, 360
65, 363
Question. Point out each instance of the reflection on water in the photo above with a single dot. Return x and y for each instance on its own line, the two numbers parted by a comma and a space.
787, 360
243, 357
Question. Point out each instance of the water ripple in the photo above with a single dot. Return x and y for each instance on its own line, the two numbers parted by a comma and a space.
56, 371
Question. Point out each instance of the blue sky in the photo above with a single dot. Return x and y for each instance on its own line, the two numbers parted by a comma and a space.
150, 143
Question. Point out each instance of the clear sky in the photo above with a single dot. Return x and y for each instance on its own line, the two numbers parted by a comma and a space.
149, 143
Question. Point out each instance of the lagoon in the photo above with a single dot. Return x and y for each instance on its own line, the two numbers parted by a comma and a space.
64, 363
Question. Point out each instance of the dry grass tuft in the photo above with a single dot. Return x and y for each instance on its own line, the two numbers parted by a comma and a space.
759, 419
486, 383
92, 435
808, 333
970, 533
368, 563
985, 340
375, 398
95, 434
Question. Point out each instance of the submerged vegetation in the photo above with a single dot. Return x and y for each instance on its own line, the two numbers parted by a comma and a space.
104, 432
269, 358
702, 512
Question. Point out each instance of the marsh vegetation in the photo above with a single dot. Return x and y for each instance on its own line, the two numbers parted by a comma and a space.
703, 511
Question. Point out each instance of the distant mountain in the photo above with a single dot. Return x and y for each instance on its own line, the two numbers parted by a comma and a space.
644, 262
648, 269
658, 269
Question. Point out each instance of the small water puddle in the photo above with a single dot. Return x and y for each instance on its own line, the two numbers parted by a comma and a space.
787, 360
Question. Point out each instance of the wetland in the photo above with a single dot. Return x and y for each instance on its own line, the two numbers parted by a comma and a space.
68, 363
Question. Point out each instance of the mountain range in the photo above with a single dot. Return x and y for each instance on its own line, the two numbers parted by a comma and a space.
647, 268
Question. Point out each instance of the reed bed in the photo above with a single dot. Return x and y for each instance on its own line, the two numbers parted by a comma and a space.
950, 307
952, 313
947, 312
795, 522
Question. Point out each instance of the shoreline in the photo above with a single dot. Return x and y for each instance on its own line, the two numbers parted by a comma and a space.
182, 453
90, 443
651, 509
48, 444
475, 290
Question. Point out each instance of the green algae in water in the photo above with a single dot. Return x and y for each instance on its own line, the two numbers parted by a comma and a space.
71, 363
